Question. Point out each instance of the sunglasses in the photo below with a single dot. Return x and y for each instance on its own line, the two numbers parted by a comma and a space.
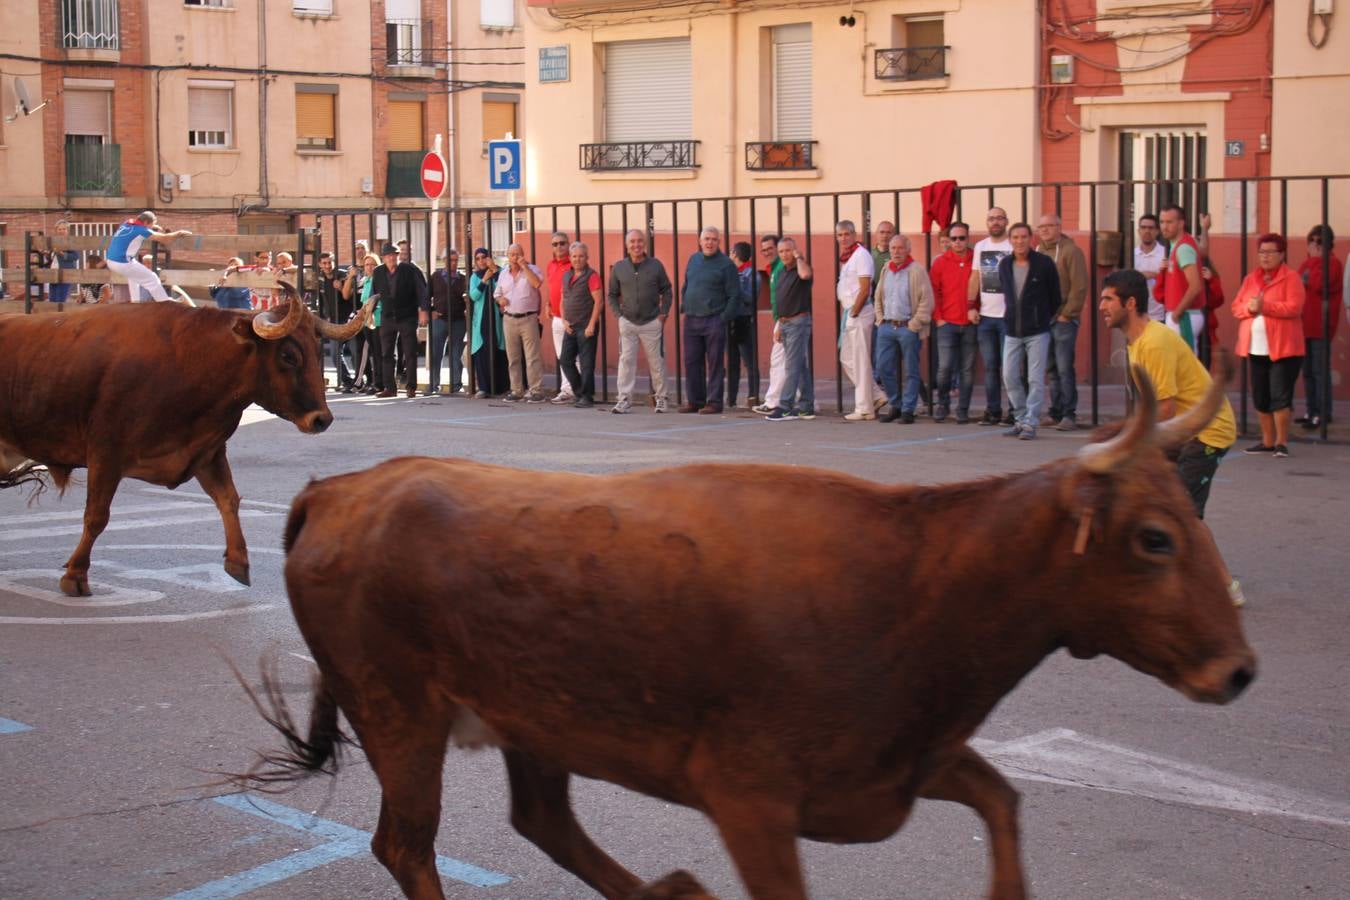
560, 243
959, 237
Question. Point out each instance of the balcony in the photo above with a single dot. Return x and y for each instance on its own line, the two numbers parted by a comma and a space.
407, 42
89, 25
94, 170
780, 155
911, 63
403, 178
641, 155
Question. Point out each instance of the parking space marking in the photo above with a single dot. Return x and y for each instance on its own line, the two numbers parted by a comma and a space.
9, 726
1065, 757
343, 842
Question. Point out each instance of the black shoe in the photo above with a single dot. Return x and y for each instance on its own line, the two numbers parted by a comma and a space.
1311, 423
890, 416
989, 418
1281, 451
1261, 448
940, 415
583, 403
1305, 421
1008, 419
907, 418
962, 419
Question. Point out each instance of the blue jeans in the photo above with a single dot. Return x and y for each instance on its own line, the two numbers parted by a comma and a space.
1026, 399
1063, 379
898, 341
455, 331
796, 334
956, 344
991, 333
705, 357
1314, 358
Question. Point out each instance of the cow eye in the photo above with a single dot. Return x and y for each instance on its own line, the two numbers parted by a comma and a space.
1156, 542
289, 357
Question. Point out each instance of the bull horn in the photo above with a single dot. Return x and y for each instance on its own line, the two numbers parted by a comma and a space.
1110, 455
348, 331
1180, 429
268, 328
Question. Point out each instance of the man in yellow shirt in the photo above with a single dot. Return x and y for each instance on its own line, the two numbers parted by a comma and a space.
1178, 377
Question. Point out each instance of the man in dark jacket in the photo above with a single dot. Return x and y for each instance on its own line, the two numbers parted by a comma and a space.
1030, 285
711, 298
448, 321
336, 308
403, 306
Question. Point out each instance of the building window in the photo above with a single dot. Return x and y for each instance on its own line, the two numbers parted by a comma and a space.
217, 4
498, 14
792, 82
918, 50
405, 33
648, 91
88, 116
89, 24
313, 7
316, 117
499, 119
210, 113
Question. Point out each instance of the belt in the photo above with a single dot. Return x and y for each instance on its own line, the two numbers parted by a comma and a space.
518, 315
794, 316
899, 323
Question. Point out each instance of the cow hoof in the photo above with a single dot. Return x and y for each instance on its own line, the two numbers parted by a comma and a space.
75, 586
237, 571
678, 885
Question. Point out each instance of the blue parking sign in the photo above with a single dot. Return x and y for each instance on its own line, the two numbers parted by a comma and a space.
504, 165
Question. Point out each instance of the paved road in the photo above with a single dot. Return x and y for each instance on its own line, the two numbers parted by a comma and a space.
118, 712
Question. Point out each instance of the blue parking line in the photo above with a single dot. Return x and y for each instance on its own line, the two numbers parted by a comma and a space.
343, 842
9, 726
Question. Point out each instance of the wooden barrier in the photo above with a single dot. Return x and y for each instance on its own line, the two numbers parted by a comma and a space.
234, 244
181, 277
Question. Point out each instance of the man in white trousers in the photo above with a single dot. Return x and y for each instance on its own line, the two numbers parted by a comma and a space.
768, 255
558, 267
124, 245
854, 292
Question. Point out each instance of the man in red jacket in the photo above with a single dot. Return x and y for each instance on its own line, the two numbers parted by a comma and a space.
1180, 287
1320, 240
952, 312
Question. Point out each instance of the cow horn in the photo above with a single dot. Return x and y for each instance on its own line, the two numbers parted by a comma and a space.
1179, 429
348, 331
267, 327
1109, 455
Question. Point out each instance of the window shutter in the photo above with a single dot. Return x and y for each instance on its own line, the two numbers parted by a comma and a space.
313, 6
88, 112
314, 119
648, 91
405, 125
497, 14
792, 83
402, 9
208, 109
499, 119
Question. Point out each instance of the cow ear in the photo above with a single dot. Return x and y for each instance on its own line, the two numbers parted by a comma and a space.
243, 329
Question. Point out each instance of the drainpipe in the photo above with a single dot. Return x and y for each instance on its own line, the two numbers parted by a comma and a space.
452, 145
735, 18
262, 105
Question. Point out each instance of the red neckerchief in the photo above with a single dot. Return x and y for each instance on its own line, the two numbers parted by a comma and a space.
845, 257
741, 267
895, 268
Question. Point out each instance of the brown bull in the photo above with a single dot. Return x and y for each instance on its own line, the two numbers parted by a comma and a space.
153, 391
814, 692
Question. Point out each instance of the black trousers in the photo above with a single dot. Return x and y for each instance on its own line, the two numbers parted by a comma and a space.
740, 346
1196, 464
392, 334
578, 362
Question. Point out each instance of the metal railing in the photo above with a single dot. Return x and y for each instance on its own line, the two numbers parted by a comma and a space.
772, 155
639, 155
407, 42
403, 178
94, 169
911, 63
1098, 216
89, 24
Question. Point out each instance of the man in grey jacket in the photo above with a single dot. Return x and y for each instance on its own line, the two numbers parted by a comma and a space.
640, 296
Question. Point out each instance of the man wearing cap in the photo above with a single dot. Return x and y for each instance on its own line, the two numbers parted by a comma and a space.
403, 306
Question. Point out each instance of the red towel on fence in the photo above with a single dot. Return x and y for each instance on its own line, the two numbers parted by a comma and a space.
939, 202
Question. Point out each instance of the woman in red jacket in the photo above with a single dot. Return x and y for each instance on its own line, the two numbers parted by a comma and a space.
1269, 310
1316, 344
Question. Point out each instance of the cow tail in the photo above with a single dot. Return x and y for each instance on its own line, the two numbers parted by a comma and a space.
317, 753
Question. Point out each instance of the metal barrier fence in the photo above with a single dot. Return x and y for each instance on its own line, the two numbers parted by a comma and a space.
1103, 213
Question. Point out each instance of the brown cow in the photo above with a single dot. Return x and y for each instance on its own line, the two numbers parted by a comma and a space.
810, 693
153, 391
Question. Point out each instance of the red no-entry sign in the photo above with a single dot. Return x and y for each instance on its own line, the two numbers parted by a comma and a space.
433, 175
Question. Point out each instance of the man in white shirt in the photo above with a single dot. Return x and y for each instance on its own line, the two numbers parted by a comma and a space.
984, 284
518, 296
854, 292
1149, 258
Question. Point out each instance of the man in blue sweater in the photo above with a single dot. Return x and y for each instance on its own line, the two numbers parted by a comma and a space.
710, 299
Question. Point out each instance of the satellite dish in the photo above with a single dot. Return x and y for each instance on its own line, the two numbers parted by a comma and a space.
23, 106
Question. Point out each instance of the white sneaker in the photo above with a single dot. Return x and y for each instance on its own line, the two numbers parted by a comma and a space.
661, 405
621, 407
856, 416
562, 397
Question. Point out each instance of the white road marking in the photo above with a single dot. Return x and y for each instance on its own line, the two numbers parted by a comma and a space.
195, 496
136, 620
301, 656
1062, 756
209, 577
78, 514
108, 594
206, 515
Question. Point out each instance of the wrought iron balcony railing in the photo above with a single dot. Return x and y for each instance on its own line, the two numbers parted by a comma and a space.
407, 42
89, 24
403, 178
639, 155
911, 63
775, 155
94, 170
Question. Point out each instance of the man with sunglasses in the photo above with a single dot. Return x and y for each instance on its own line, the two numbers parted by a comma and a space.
955, 316
558, 267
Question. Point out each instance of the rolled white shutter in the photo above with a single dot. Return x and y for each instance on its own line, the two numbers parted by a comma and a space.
648, 91
792, 83
402, 9
87, 112
208, 109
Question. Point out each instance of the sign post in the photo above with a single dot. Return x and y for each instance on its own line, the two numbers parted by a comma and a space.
433, 185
